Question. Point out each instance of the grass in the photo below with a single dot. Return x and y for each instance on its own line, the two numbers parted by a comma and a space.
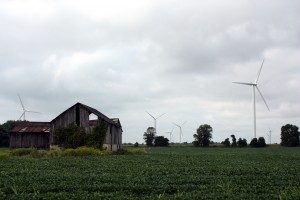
157, 173
3, 149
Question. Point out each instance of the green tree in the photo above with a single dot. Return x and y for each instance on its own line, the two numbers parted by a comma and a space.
242, 142
289, 135
203, 136
161, 141
233, 144
260, 142
4, 132
226, 142
149, 136
253, 142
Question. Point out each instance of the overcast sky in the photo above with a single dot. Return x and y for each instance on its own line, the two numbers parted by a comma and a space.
175, 57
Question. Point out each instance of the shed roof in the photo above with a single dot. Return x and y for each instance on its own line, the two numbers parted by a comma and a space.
31, 127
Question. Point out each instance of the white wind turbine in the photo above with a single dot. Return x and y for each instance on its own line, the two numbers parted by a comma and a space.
255, 86
155, 118
180, 130
24, 110
171, 134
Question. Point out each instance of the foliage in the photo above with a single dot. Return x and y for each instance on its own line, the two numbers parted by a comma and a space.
289, 135
258, 143
149, 136
136, 144
21, 151
203, 136
226, 142
233, 144
97, 137
4, 132
242, 142
162, 173
161, 141
81, 151
70, 137
74, 136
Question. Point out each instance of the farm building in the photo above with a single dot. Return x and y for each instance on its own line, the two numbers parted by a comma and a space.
80, 115
30, 134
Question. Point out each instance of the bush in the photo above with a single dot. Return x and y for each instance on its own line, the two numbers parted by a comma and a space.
97, 136
39, 153
81, 151
21, 151
161, 141
120, 152
70, 137
4, 155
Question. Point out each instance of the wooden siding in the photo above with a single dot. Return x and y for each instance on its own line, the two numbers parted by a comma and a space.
79, 114
27, 140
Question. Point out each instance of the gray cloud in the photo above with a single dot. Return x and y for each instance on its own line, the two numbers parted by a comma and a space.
173, 57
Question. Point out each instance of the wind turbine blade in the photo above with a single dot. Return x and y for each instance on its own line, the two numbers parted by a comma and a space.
21, 102
176, 125
160, 116
242, 83
262, 97
150, 115
32, 111
172, 131
22, 115
184, 123
259, 72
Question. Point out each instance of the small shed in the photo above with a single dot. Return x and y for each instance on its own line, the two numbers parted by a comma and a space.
30, 134
80, 115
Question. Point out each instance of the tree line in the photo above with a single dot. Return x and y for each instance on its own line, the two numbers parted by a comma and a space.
202, 138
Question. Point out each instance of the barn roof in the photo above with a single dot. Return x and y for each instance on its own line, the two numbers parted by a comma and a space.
31, 127
95, 112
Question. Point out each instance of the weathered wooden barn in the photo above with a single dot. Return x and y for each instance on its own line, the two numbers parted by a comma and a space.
30, 134
80, 115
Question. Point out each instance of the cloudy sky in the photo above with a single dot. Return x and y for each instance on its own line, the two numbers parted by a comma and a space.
175, 57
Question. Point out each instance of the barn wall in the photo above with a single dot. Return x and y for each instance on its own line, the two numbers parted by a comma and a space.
62, 121
30, 140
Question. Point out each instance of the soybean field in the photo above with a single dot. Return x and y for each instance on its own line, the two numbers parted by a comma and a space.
161, 173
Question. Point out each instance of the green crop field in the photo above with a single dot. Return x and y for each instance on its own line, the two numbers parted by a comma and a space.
162, 173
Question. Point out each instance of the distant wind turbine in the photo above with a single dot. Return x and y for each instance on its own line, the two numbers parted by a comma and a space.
180, 130
255, 86
270, 136
24, 110
155, 118
171, 134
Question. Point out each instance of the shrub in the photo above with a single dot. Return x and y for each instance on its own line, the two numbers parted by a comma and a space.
21, 151
4, 155
97, 136
70, 137
120, 152
39, 153
81, 151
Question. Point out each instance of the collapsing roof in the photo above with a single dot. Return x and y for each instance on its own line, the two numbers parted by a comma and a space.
114, 121
31, 127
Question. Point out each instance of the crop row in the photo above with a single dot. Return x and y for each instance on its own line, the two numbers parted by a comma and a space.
163, 173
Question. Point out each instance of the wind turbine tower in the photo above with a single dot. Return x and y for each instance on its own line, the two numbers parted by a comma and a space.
24, 110
270, 136
155, 118
180, 130
255, 86
171, 134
